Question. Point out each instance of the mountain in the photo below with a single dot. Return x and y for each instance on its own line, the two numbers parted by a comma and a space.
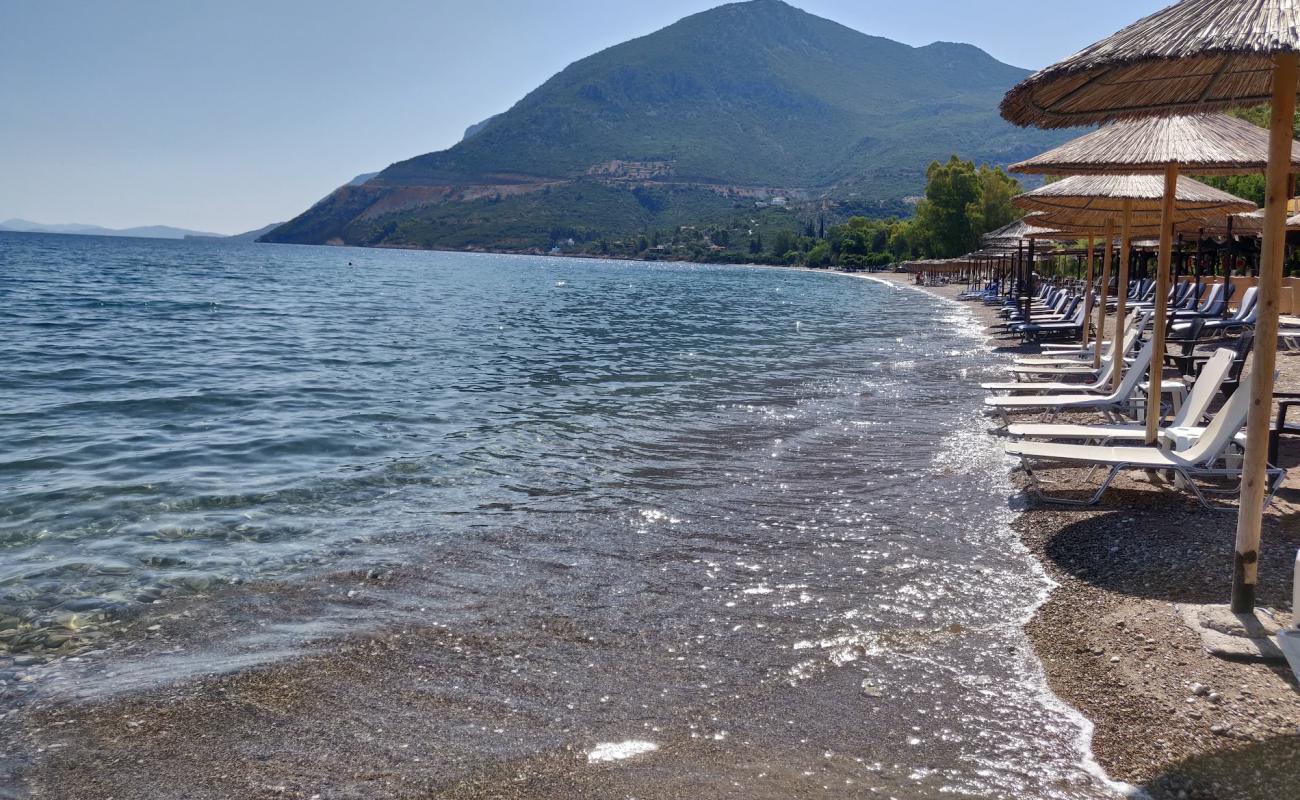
247, 236
252, 236
144, 232
732, 106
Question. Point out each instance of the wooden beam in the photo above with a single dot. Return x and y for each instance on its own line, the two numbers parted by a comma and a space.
1121, 291
1254, 476
1087, 297
1162, 302
1106, 261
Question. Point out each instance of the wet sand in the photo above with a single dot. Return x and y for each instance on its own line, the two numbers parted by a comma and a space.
1169, 717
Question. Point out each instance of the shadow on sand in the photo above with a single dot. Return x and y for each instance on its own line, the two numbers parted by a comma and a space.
1268, 770
1165, 547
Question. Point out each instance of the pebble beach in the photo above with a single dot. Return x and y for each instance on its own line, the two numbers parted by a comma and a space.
1169, 717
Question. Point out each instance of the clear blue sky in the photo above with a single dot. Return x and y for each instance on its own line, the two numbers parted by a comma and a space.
227, 115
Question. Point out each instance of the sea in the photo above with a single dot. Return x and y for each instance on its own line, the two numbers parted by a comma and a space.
743, 529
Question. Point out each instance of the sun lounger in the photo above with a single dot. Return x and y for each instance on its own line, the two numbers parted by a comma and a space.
1197, 461
1115, 403
1191, 413
1074, 367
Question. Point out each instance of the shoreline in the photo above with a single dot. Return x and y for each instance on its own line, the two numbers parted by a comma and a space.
1062, 641
1166, 716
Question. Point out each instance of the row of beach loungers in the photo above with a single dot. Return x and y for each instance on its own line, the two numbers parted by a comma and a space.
1201, 439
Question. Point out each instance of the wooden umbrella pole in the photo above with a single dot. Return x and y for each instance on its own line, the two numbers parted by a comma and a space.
1087, 297
1162, 302
1104, 299
1254, 475
1121, 291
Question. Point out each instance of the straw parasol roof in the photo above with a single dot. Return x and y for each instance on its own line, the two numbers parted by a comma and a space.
1250, 223
1197, 54
1202, 144
1018, 231
1082, 227
1102, 197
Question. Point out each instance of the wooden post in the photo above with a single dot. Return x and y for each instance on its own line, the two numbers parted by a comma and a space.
1104, 298
1254, 475
1200, 256
1231, 263
1029, 281
1121, 291
1087, 298
1024, 278
1162, 302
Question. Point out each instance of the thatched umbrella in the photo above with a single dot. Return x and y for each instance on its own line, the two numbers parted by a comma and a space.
1086, 198
1082, 199
1207, 142
1199, 55
1015, 236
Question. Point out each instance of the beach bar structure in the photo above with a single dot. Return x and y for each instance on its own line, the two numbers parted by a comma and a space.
1196, 56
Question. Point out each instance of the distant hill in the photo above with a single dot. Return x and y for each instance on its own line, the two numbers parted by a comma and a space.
252, 236
724, 109
145, 232
247, 236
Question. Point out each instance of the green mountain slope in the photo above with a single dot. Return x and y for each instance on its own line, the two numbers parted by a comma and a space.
734, 104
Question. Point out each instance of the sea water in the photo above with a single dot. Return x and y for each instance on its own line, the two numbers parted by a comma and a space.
763, 499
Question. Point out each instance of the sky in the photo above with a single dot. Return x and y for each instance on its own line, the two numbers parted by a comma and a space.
227, 115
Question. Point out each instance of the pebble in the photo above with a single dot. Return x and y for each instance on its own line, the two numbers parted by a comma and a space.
1200, 690
1219, 730
1215, 697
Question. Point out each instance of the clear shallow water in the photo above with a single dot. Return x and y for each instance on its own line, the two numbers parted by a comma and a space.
752, 492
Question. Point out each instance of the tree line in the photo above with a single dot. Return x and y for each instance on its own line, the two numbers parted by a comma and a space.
962, 202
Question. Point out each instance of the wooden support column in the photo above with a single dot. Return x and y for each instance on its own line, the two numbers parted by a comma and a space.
1231, 263
1162, 302
1087, 297
1104, 298
1121, 291
1254, 476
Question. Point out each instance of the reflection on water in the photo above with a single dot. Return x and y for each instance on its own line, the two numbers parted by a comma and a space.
739, 522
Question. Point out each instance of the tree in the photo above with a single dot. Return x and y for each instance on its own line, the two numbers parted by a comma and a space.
820, 255
994, 209
783, 242
901, 241
943, 216
1247, 187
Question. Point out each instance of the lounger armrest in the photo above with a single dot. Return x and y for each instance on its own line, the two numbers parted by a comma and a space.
1290, 400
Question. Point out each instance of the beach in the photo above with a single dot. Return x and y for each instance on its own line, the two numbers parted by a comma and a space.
452, 525
1169, 717
768, 552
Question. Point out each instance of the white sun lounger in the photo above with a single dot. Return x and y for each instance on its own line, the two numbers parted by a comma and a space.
1197, 461
1083, 370
1074, 366
1116, 402
1068, 353
1191, 414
